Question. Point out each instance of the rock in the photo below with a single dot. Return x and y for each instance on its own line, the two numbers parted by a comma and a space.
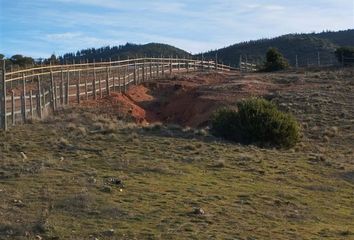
92, 180
18, 203
23, 155
108, 233
198, 211
116, 181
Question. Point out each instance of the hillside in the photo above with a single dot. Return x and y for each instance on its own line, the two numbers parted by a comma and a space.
125, 51
83, 174
341, 38
305, 46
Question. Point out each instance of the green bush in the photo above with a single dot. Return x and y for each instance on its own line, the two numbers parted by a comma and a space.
345, 55
275, 61
256, 121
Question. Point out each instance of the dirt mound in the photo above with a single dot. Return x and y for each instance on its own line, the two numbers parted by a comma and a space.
119, 105
187, 107
187, 100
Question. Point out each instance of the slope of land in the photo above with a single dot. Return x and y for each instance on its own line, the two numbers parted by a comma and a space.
128, 50
83, 174
305, 46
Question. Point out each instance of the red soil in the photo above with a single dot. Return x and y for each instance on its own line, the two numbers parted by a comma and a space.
188, 100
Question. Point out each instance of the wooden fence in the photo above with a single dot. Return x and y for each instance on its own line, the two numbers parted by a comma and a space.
39, 91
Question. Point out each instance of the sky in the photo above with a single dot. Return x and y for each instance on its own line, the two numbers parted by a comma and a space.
39, 28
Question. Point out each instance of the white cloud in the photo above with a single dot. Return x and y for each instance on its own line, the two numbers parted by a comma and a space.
69, 25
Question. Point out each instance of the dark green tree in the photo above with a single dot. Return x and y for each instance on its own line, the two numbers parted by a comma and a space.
275, 61
2, 56
21, 61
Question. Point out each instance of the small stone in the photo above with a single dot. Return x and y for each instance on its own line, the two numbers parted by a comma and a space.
18, 203
198, 211
108, 233
23, 155
92, 180
116, 181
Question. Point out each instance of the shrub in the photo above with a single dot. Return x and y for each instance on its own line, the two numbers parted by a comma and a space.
345, 55
275, 61
256, 121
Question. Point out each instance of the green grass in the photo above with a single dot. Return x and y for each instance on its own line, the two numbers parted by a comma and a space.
255, 193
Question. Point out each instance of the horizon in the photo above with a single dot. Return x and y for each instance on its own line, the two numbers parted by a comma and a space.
39, 28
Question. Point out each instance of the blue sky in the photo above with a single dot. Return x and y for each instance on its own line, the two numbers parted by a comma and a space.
38, 28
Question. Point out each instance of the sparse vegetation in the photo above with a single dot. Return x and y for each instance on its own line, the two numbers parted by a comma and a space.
178, 183
256, 121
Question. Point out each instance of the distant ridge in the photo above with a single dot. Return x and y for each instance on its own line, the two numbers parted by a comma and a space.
124, 51
305, 46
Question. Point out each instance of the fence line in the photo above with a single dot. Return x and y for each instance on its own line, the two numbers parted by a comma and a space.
39, 91
314, 60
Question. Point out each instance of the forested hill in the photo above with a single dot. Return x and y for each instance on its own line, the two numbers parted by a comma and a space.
124, 51
305, 46
341, 38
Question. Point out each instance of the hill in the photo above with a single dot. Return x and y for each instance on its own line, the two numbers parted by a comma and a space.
124, 51
305, 46
83, 174
341, 38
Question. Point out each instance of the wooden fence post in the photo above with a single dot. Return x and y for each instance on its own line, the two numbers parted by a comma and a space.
24, 97
78, 88
157, 66
3, 97
100, 87
216, 61
52, 93
67, 92
202, 63
246, 63
39, 98
143, 78
114, 79
13, 107
107, 82
150, 69
94, 81
62, 88
170, 66
31, 103
23, 108
86, 88
178, 64
240, 63
119, 80
296, 61
135, 79
124, 79
55, 94
162, 66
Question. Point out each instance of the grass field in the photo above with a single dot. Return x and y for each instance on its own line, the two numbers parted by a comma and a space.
80, 175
